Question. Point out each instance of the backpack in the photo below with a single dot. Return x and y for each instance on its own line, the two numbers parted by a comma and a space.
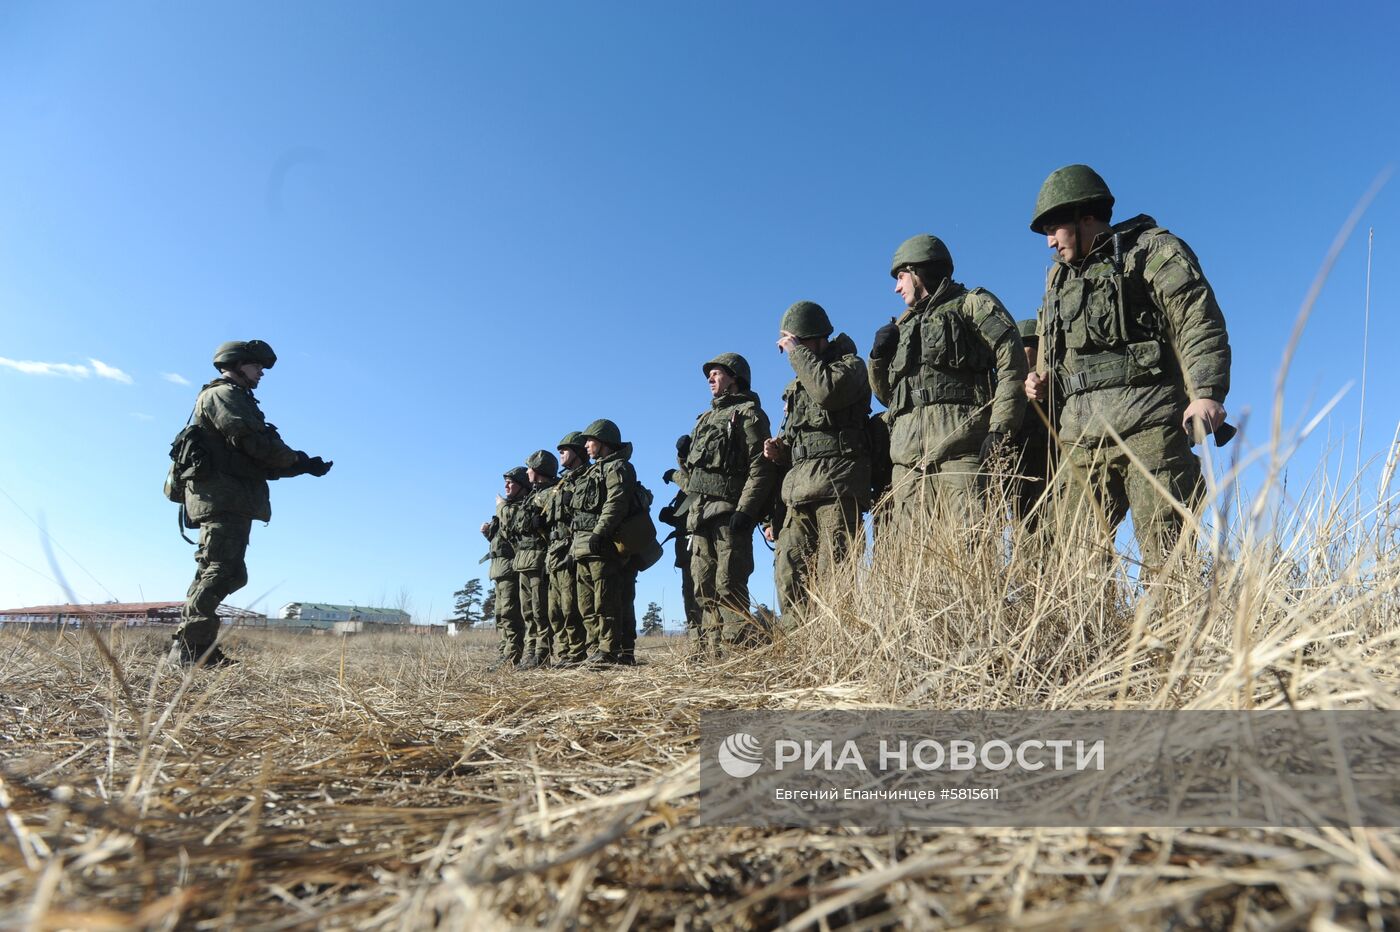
636, 538
189, 459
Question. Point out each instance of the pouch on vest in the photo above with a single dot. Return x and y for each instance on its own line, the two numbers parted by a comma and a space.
1069, 306
1101, 318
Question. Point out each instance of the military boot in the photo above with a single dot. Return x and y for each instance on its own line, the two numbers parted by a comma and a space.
203, 655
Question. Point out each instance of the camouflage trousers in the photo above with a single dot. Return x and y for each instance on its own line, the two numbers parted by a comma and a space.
223, 547
534, 609
510, 621
601, 589
1032, 478
720, 566
1096, 484
952, 487
814, 535
565, 622
626, 636
692, 607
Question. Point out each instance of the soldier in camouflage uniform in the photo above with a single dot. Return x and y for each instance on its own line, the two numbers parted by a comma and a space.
823, 451
510, 517
1032, 448
228, 492
1133, 343
565, 622
674, 515
732, 486
531, 545
950, 371
604, 495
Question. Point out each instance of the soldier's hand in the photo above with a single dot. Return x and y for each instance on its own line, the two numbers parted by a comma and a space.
683, 446
318, 467
786, 341
741, 524
1208, 411
775, 450
769, 536
485, 528
886, 340
597, 545
992, 446
669, 476
1036, 386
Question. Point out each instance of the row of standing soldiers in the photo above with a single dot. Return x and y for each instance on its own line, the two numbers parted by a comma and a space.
1133, 367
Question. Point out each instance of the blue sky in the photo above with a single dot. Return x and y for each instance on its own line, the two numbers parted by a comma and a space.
468, 229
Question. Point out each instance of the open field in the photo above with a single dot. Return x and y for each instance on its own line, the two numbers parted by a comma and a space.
391, 782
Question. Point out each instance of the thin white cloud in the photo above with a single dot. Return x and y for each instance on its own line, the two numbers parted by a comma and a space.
142, 417
29, 367
105, 371
175, 377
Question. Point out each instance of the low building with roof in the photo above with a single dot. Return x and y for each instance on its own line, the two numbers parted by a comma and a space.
344, 619
129, 614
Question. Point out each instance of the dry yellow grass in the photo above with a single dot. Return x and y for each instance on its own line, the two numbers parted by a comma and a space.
392, 783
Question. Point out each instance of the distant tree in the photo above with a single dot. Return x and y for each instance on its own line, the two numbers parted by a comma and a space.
651, 619
467, 604
488, 607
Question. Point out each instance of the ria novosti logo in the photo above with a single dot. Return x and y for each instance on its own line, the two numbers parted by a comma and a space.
740, 755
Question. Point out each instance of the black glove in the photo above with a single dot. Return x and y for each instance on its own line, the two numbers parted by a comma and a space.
318, 467
741, 524
538, 521
669, 476
683, 446
886, 339
992, 445
597, 545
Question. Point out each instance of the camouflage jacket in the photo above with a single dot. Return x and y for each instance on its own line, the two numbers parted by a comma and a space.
1137, 362
499, 533
555, 503
604, 495
825, 424
958, 372
725, 469
528, 532
244, 452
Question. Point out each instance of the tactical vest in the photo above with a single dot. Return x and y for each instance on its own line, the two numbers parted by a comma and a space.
223, 456
558, 509
814, 432
718, 462
587, 494
1105, 313
525, 522
941, 359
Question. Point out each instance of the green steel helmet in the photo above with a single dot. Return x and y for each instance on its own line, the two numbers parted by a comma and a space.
1070, 187
237, 352
806, 319
737, 365
604, 430
1027, 328
923, 249
543, 462
518, 475
572, 439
